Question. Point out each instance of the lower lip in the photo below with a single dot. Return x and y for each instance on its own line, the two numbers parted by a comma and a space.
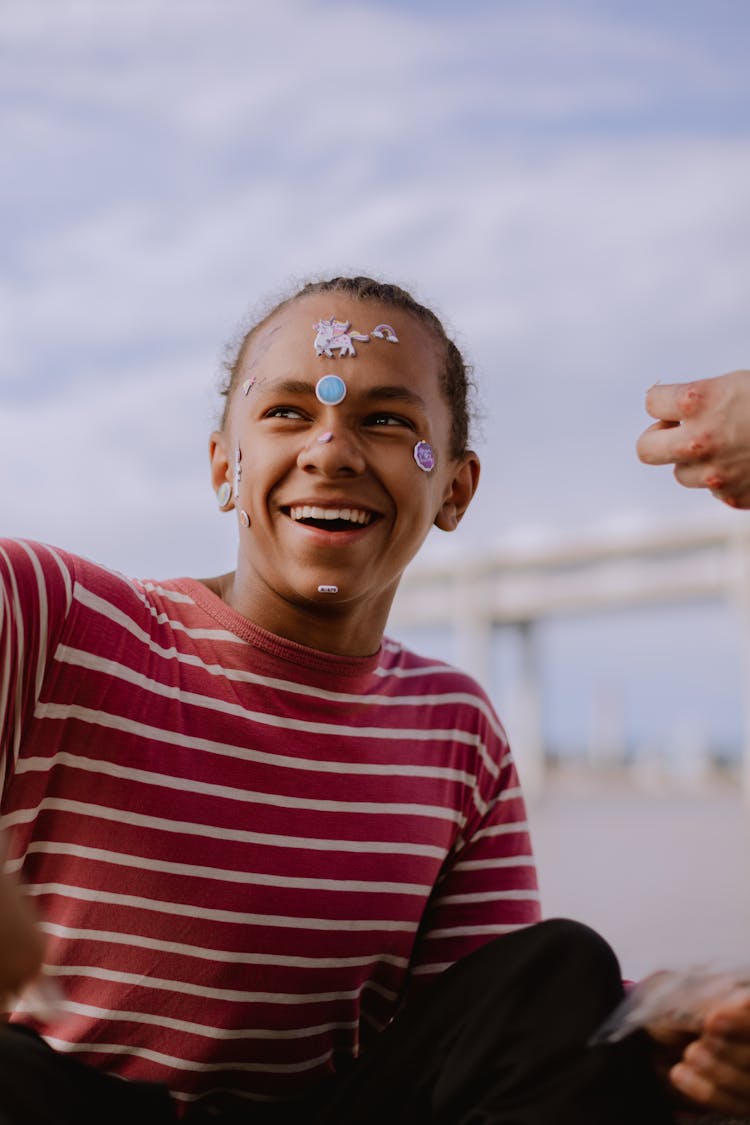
332, 538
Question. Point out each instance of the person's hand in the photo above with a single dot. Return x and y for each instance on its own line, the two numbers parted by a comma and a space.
21, 942
713, 1070
703, 428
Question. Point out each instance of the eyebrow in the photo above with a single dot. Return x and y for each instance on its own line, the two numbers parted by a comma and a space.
392, 392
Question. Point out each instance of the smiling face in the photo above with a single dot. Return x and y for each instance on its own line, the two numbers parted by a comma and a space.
335, 497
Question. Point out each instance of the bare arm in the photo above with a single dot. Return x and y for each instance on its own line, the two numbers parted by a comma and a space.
703, 428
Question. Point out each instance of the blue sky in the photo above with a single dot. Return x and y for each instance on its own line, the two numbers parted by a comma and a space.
567, 183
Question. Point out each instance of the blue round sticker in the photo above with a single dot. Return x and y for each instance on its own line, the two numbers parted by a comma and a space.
331, 390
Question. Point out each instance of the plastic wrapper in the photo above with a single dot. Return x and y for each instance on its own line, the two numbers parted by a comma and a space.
679, 997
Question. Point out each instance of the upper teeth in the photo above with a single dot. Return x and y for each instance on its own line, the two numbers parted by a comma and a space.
307, 512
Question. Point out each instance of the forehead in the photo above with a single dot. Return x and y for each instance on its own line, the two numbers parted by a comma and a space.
290, 333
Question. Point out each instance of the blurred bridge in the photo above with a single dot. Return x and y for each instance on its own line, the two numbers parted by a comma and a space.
474, 593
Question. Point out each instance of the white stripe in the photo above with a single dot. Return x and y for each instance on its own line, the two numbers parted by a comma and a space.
105, 719
184, 1064
432, 969
99, 605
509, 794
229, 792
172, 595
492, 767
481, 806
472, 931
409, 673
206, 1030
43, 620
220, 874
507, 829
229, 956
237, 835
237, 917
491, 896
96, 972
491, 864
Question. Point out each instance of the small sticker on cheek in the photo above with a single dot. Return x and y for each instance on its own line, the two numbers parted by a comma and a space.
328, 589
424, 455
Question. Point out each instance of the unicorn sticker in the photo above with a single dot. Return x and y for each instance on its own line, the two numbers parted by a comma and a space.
336, 335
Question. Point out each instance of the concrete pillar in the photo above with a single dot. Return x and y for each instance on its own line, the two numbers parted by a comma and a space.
473, 631
472, 628
528, 737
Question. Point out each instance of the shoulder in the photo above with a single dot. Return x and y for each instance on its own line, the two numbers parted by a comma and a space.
33, 573
398, 662
436, 683
21, 556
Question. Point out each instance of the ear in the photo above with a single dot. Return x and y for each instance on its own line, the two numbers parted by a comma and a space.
459, 492
220, 461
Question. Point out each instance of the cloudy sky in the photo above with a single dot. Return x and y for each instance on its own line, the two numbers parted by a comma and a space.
567, 183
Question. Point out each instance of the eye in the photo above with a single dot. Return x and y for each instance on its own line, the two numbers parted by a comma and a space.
384, 418
286, 412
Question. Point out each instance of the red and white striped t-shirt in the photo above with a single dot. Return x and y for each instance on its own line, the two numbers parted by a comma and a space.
242, 850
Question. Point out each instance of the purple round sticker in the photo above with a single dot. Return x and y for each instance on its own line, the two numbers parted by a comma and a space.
424, 456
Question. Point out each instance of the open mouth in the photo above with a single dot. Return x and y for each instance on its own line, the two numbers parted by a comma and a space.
330, 519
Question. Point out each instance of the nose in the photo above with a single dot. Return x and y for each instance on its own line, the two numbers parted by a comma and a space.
333, 451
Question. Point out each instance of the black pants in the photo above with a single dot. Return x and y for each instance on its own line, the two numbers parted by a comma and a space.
500, 1039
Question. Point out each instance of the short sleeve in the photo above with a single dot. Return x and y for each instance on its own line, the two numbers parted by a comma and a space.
35, 599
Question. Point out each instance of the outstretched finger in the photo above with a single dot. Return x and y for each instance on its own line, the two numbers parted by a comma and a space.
661, 444
674, 402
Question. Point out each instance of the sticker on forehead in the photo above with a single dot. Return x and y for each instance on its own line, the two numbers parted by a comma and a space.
385, 332
336, 335
424, 455
330, 390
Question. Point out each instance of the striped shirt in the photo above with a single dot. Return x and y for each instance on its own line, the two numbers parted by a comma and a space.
244, 853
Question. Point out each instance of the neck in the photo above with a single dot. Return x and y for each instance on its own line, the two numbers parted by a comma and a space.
343, 630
